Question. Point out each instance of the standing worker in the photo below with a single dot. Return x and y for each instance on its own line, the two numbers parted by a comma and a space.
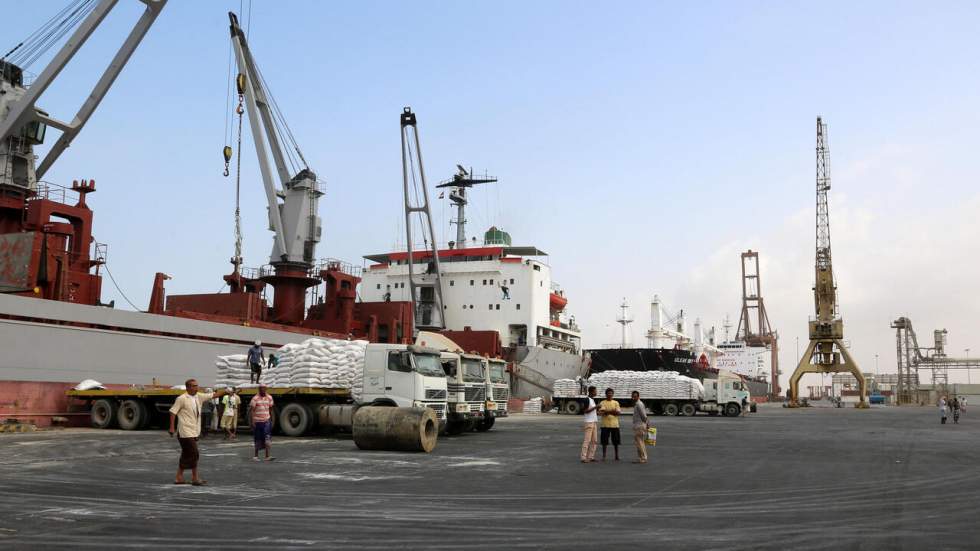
609, 427
229, 418
260, 418
589, 427
956, 410
640, 427
256, 357
942, 410
186, 414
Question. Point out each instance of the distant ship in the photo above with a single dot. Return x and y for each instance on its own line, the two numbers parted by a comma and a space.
670, 348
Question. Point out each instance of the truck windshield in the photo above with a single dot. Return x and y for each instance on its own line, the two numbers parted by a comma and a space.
472, 370
497, 373
429, 365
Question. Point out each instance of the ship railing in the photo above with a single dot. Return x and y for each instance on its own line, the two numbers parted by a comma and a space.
556, 289
335, 264
54, 192
100, 251
257, 273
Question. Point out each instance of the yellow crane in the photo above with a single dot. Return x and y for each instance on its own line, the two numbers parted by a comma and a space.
826, 352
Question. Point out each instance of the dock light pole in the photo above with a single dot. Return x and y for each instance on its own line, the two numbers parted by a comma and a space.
967, 350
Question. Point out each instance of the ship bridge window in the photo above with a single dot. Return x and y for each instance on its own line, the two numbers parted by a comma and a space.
537, 267
484, 282
472, 282
497, 307
491, 282
452, 283
379, 286
511, 281
518, 306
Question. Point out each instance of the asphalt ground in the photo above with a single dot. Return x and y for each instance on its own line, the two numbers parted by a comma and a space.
817, 478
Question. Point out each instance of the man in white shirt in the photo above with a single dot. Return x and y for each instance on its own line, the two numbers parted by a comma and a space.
186, 414
229, 418
591, 422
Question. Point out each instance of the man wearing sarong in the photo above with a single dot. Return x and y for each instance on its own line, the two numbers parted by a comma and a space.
185, 420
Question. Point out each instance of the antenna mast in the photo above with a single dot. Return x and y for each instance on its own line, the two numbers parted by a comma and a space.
624, 320
460, 182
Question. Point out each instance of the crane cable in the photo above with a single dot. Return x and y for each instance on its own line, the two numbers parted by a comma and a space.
240, 110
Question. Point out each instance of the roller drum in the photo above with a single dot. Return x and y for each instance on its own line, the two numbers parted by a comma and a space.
396, 429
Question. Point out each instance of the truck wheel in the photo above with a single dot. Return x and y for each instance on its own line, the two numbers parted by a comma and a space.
132, 415
573, 407
733, 410
485, 424
688, 410
455, 428
103, 413
295, 419
670, 409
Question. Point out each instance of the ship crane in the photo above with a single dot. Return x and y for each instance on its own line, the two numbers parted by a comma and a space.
826, 352
460, 182
425, 285
292, 192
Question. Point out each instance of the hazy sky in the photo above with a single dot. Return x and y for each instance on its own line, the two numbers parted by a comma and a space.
643, 145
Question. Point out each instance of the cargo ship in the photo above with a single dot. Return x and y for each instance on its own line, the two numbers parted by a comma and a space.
55, 330
670, 348
499, 299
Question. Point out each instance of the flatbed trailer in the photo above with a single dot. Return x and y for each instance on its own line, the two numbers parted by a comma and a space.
296, 410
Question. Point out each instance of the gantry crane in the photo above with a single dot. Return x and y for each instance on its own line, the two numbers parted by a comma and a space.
826, 352
911, 357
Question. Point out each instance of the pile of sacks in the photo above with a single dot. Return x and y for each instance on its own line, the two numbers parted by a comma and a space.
567, 388
315, 362
532, 406
232, 371
651, 384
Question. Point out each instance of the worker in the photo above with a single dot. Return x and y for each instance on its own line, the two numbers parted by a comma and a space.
260, 419
956, 410
256, 357
387, 295
609, 427
942, 410
506, 291
207, 414
273, 361
590, 421
229, 417
640, 426
185, 420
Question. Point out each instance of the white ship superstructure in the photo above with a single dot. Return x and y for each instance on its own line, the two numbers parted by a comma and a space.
495, 287
751, 361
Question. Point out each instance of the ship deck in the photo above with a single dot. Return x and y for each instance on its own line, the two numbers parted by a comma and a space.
887, 478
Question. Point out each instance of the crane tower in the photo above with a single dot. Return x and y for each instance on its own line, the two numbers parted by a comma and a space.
826, 352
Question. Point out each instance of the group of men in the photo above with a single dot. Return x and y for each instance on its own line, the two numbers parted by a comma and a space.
957, 404
608, 428
185, 422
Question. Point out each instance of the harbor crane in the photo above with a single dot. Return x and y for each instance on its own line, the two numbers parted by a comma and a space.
826, 352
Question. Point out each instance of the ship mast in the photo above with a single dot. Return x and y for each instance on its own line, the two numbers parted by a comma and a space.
460, 182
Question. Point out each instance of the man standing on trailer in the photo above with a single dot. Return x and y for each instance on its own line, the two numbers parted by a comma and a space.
186, 415
260, 415
256, 357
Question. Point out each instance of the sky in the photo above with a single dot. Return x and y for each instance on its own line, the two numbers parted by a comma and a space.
643, 145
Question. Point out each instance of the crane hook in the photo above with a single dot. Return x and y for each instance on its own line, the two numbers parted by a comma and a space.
226, 152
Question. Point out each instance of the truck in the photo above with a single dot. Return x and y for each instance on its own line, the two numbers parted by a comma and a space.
466, 391
394, 375
725, 395
498, 392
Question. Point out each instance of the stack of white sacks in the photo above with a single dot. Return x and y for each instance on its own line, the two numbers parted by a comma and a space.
532, 406
316, 362
566, 388
650, 384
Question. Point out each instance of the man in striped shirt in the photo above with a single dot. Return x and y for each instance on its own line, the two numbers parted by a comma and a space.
260, 415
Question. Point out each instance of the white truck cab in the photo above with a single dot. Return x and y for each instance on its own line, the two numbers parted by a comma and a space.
404, 376
727, 394
498, 388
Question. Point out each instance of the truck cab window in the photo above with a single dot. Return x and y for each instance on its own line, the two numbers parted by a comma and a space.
398, 361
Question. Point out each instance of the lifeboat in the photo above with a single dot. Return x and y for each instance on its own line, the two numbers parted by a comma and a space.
558, 302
